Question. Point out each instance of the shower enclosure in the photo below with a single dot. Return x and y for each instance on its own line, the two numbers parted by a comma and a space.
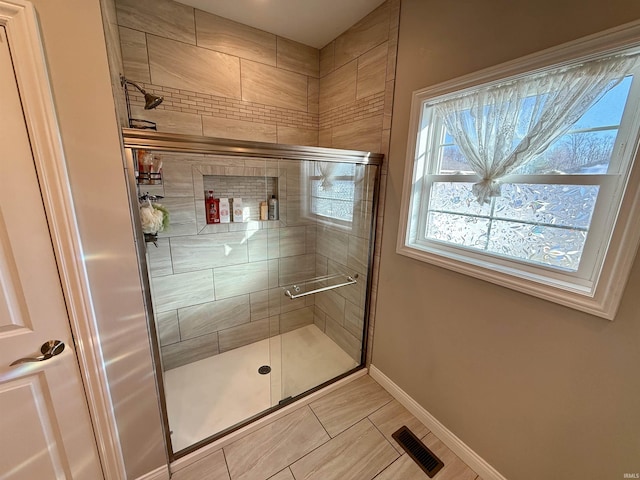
246, 316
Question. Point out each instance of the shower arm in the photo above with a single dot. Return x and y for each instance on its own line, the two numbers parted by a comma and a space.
150, 102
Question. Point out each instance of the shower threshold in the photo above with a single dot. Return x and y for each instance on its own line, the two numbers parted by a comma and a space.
214, 394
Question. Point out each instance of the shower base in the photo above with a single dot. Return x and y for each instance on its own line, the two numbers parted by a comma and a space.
208, 396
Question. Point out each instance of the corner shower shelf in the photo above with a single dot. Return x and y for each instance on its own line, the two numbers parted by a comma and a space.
149, 178
320, 284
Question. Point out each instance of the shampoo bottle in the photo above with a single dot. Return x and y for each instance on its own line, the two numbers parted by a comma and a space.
238, 210
225, 212
273, 208
212, 207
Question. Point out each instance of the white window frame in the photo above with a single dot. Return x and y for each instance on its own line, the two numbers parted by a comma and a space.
597, 292
308, 203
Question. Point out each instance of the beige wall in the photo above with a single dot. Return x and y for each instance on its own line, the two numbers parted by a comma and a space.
76, 55
538, 390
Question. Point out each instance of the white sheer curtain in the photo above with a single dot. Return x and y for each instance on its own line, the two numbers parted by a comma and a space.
326, 170
501, 127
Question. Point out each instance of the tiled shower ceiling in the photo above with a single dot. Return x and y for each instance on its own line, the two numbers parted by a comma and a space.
312, 22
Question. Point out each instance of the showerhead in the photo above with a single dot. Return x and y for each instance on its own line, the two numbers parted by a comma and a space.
150, 101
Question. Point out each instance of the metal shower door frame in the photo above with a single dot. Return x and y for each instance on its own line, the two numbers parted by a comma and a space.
170, 142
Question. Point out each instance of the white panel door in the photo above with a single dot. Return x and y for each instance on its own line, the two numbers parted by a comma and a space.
45, 429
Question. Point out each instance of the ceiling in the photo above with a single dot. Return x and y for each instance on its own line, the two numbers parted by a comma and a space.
312, 22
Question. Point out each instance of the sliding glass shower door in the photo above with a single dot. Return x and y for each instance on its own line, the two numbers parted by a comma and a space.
252, 312
337, 200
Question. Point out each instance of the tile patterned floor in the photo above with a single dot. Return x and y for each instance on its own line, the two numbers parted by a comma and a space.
345, 435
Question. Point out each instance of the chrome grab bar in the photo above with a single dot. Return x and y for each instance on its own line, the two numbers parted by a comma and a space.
350, 280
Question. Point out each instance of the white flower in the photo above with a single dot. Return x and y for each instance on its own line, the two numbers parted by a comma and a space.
151, 218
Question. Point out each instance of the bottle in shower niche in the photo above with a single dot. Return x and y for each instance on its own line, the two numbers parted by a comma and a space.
264, 211
273, 208
225, 211
212, 208
238, 210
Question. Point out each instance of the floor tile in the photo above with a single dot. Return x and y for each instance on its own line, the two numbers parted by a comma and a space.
283, 475
454, 468
406, 469
393, 416
211, 467
403, 468
359, 453
347, 405
275, 446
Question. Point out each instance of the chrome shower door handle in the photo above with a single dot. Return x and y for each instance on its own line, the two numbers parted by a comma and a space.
48, 349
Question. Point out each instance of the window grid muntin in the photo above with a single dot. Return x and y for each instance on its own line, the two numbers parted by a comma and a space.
340, 221
494, 219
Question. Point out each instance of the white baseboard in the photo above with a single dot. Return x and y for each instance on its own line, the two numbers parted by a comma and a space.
160, 473
468, 456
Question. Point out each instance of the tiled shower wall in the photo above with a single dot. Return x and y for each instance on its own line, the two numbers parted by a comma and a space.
215, 287
265, 88
357, 78
219, 78
357, 72
218, 287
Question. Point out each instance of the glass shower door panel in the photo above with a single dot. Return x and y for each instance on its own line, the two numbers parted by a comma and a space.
211, 284
322, 312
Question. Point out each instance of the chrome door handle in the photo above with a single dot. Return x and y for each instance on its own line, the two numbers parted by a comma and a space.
48, 349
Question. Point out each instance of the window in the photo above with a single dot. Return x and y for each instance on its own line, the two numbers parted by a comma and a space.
525, 180
332, 190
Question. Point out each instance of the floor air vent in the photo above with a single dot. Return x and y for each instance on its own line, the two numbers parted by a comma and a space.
424, 457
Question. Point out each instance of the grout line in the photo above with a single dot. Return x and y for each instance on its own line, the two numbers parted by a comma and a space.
320, 422
240, 77
384, 436
146, 48
387, 467
314, 449
325, 443
224, 455
291, 472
